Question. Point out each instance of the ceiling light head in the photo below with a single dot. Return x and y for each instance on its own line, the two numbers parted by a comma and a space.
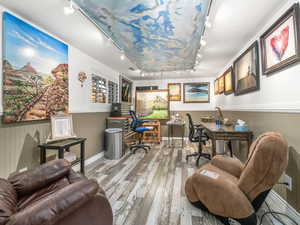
122, 57
208, 24
203, 42
69, 10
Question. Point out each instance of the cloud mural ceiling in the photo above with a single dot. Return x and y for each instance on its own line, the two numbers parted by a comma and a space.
157, 35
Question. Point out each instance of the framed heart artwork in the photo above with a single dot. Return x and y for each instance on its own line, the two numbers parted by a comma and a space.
280, 43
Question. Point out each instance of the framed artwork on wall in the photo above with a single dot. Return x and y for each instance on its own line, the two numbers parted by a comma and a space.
196, 92
246, 71
221, 80
125, 89
280, 43
35, 73
174, 91
61, 127
152, 104
229, 83
146, 88
216, 86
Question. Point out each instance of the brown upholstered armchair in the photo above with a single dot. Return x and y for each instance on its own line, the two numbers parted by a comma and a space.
229, 189
52, 194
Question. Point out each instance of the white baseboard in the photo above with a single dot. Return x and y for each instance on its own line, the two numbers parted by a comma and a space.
89, 161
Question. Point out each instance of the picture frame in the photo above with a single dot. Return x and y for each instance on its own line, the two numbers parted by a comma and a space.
125, 89
221, 81
246, 71
174, 92
216, 85
280, 45
196, 92
229, 81
61, 127
152, 104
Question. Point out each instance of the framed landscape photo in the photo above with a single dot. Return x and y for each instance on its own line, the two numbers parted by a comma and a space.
246, 71
221, 84
228, 79
196, 92
152, 104
174, 91
280, 43
216, 86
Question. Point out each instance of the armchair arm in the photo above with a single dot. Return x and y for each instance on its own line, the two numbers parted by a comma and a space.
220, 195
37, 178
230, 165
57, 206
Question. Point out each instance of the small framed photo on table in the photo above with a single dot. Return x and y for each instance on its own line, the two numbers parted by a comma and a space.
62, 127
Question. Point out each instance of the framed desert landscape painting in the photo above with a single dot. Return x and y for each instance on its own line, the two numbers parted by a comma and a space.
174, 91
221, 84
35, 73
152, 104
228, 79
216, 87
196, 92
280, 43
246, 71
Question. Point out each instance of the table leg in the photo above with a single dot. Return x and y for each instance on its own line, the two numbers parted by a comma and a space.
250, 139
42, 155
82, 156
214, 144
230, 148
172, 136
61, 153
169, 136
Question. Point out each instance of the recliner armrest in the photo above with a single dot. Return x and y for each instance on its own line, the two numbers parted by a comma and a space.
56, 206
230, 165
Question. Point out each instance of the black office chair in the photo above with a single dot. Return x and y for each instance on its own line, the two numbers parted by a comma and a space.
136, 126
196, 134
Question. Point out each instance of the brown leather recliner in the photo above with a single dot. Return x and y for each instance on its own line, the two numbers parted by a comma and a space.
53, 194
229, 189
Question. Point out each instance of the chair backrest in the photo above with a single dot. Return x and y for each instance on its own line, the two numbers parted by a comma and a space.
268, 159
134, 122
191, 127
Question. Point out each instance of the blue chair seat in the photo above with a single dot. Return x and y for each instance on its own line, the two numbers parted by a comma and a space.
142, 129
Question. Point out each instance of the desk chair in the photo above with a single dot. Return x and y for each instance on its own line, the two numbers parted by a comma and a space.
196, 135
136, 126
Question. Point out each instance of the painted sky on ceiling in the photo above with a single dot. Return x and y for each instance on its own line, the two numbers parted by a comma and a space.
156, 35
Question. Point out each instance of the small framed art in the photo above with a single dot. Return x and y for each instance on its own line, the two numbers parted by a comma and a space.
196, 92
174, 91
221, 84
228, 79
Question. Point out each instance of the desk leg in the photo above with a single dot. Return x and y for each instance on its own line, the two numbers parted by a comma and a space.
42, 155
168, 135
61, 153
250, 139
182, 137
230, 148
214, 144
82, 156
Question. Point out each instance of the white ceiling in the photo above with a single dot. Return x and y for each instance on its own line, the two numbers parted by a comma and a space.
234, 24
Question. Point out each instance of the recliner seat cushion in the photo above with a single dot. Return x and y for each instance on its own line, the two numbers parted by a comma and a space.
8, 201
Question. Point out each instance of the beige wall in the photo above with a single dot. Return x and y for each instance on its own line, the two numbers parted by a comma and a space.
18, 142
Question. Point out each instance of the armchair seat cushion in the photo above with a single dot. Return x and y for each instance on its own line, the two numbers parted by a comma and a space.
219, 192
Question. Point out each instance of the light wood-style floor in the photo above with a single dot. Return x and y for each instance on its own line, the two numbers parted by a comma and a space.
148, 189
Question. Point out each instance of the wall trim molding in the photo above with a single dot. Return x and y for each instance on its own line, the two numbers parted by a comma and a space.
89, 161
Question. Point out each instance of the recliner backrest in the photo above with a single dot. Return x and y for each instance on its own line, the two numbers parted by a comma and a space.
268, 159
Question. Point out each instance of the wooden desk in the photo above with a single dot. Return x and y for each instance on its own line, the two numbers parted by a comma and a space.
226, 133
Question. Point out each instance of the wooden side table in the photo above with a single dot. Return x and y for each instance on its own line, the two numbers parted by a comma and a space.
61, 147
152, 136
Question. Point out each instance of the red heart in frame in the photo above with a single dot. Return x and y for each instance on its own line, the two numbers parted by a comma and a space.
280, 43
